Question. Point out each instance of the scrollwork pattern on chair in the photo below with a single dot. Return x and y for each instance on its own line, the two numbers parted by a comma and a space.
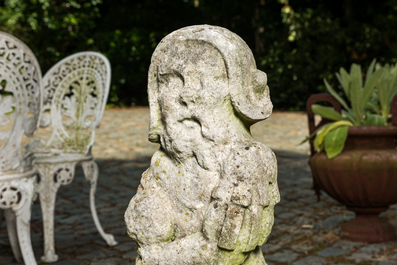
13, 194
9, 196
20, 104
64, 175
20, 78
54, 175
75, 92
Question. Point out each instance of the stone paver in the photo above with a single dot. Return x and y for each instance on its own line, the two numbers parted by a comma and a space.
358, 257
283, 256
303, 227
310, 260
332, 252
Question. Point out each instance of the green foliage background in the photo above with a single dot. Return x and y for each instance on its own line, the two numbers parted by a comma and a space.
327, 35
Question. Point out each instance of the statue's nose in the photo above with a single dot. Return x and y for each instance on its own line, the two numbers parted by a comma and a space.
189, 93
154, 137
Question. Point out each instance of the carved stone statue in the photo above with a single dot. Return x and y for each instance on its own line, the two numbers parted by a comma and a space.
209, 194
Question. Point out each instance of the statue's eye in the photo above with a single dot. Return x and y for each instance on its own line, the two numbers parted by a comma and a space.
172, 80
163, 78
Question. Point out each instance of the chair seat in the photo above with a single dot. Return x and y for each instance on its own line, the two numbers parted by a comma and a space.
52, 158
9, 176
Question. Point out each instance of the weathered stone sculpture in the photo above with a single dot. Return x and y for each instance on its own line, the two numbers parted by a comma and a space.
209, 194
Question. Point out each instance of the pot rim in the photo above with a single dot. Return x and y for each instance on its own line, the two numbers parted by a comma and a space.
388, 130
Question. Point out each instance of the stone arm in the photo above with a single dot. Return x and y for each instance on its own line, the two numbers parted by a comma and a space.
150, 223
149, 219
241, 214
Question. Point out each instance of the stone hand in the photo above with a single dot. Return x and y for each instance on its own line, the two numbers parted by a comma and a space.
237, 226
240, 216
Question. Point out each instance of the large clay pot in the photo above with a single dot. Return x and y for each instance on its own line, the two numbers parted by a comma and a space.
364, 178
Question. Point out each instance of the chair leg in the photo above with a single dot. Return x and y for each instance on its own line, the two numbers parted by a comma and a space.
52, 177
90, 169
16, 199
12, 234
23, 224
2, 218
47, 202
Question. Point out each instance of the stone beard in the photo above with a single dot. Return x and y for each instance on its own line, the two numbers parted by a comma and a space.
209, 194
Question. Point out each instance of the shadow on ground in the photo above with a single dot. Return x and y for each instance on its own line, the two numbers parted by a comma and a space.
303, 227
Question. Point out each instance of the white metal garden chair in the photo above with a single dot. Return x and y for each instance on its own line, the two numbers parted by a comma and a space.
75, 91
20, 101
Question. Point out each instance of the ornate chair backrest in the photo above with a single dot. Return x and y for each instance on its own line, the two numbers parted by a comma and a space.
75, 91
20, 101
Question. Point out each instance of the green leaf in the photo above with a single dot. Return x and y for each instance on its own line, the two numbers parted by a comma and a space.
349, 115
314, 133
370, 70
356, 93
318, 142
335, 95
307, 138
375, 97
320, 134
335, 141
344, 79
387, 85
370, 86
326, 112
374, 120
372, 107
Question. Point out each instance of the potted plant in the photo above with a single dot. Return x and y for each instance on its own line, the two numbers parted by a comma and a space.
354, 156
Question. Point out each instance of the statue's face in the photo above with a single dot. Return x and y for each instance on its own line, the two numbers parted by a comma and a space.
193, 91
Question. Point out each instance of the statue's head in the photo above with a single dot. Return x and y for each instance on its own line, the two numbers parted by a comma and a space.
204, 71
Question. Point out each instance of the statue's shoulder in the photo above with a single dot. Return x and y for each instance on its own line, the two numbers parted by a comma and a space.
162, 169
249, 160
252, 151
158, 162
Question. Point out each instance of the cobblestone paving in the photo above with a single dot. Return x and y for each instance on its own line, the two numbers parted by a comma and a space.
305, 232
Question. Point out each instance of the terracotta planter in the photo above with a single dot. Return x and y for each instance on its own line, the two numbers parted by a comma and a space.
364, 178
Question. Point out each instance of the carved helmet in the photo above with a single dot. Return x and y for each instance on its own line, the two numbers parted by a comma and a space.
249, 92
